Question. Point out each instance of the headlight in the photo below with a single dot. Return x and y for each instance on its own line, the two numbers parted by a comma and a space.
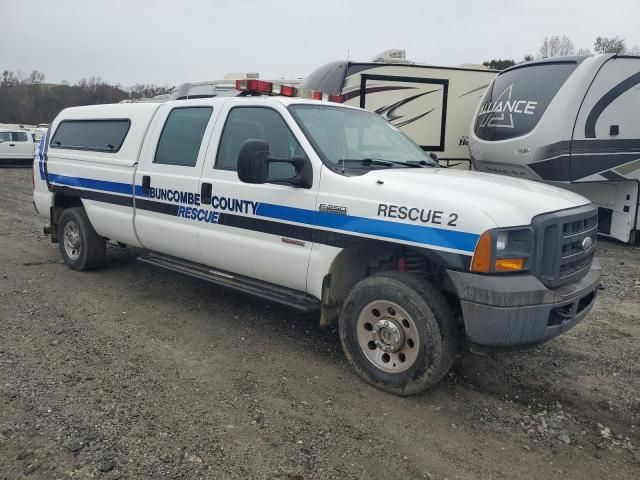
503, 250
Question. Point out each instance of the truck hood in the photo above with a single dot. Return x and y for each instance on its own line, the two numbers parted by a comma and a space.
507, 201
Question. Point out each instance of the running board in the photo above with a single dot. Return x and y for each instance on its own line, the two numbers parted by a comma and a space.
300, 301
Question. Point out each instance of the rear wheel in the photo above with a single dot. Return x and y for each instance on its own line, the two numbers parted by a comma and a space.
81, 247
398, 332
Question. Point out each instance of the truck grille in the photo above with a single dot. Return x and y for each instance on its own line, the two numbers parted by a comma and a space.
566, 244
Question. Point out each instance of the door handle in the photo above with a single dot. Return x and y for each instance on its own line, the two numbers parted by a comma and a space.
205, 193
12, 144
146, 183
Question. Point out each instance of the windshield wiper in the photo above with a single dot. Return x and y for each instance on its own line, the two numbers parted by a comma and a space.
382, 162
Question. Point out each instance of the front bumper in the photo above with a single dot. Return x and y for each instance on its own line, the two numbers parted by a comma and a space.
518, 310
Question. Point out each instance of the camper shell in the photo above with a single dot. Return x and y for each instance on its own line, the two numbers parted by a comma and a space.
573, 122
432, 105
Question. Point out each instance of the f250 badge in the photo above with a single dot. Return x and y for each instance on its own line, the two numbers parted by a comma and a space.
336, 209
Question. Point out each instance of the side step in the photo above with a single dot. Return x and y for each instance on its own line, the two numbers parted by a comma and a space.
300, 301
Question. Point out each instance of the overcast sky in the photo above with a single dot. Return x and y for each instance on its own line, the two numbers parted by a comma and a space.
170, 42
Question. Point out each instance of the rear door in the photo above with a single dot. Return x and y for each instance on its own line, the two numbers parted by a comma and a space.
167, 196
23, 144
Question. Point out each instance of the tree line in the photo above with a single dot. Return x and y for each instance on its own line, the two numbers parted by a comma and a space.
29, 100
561, 45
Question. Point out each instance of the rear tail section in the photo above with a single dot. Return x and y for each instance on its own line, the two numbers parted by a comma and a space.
42, 197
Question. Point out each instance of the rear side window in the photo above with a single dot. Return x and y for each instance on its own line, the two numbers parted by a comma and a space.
518, 98
93, 135
5, 136
181, 136
19, 136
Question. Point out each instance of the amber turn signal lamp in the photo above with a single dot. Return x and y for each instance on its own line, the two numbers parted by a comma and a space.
482, 256
509, 264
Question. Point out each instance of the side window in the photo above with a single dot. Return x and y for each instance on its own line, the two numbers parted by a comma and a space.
258, 123
92, 135
5, 136
19, 136
181, 136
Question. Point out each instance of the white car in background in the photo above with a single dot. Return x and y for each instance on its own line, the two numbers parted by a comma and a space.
16, 147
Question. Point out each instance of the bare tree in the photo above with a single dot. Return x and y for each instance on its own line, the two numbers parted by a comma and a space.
36, 77
583, 51
610, 45
556, 46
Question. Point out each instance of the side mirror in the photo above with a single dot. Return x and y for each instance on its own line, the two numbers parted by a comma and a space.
433, 156
254, 161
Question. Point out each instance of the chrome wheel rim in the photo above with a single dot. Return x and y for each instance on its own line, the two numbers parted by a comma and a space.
72, 240
387, 336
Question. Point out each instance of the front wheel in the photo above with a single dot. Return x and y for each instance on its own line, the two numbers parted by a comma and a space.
81, 247
398, 332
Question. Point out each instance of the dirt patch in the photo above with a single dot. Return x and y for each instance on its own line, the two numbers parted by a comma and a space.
135, 372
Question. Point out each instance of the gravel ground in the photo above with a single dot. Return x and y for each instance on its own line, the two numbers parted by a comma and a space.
135, 372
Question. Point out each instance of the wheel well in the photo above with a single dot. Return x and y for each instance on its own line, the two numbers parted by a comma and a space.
61, 201
65, 200
368, 257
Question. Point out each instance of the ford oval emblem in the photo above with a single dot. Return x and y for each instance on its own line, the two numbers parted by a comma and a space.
587, 243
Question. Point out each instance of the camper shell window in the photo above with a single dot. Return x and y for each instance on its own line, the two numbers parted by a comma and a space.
517, 99
92, 135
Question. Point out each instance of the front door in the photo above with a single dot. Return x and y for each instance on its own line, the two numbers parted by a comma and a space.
167, 195
262, 231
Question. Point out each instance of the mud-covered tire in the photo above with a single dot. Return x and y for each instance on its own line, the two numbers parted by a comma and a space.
431, 323
75, 230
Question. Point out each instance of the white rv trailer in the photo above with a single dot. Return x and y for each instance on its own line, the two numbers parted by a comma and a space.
432, 105
573, 122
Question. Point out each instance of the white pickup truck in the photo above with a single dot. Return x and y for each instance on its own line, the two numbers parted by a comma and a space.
16, 147
326, 207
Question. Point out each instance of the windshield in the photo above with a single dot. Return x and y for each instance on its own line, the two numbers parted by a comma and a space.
516, 100
349, 138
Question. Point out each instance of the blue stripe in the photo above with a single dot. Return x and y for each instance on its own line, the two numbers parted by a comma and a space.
370, 226
41, 156
438, 237
115, 187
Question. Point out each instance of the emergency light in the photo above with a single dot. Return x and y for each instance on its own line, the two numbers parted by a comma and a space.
252, 86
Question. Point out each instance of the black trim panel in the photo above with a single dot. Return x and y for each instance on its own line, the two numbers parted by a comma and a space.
567, 168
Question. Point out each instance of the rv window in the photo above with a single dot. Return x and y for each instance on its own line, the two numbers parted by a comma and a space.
181, 136
518, 98
94, 135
